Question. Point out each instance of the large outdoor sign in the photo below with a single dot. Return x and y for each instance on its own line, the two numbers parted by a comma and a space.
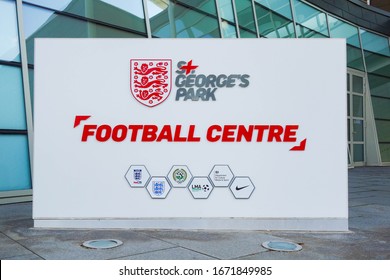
197, 134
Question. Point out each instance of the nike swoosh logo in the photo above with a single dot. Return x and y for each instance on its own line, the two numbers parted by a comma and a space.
237, 188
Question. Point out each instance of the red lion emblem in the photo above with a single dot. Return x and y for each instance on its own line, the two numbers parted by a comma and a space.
150, 80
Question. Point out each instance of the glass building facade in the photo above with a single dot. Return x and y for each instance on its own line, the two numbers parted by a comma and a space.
368, 60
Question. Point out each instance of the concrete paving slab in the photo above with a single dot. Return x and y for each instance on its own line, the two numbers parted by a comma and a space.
24, 257
301, 255
177, 253
52, 248
353, 245
221, 245
61, 245
9, 248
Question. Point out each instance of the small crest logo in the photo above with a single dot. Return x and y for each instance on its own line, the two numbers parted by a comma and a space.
137, 174
158, 188
179, 175
150, 80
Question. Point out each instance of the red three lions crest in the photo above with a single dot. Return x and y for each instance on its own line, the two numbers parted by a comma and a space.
150, 80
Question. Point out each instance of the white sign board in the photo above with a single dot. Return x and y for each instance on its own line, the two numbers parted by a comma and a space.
200, 134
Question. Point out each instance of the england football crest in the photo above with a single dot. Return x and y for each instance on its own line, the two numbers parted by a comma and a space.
150, 80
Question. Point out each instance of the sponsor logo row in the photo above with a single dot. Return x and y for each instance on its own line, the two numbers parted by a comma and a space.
200, 187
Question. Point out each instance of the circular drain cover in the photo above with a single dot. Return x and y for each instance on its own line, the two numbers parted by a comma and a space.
282, 246
102, 243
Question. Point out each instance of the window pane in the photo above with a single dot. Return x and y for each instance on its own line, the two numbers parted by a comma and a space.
385, 152
357, 84
380, 86
169, 20
42, 23
226, 10
9, 39
375, 43
377, 63
381, 107
245, 18
357, 106
272, 25
311, 19
383, 129
14, 163
358, 130
128, 14
358, 153
355, 58
349, 130
348, 86
228, 20
207, 6
280, 7
31, 83
12, 114
304, 32
228, 30
57, 5
247, 34
341, 29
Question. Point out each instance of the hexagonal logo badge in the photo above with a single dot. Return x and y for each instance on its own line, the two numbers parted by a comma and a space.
242, 187
200, 187
179, 176
221, 176
158, 187
137, 176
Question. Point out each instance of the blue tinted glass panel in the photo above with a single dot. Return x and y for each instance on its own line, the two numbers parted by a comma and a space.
280, 7
244, 33
57, 4
9, 39
385, 152
379, 86
170, 20
31, 83
355, 58
311, 19
12, 112
128, 14
375, 43
341, 29
304, 32
273, 25
207, 6
226, 10
227, 18
377, 63
228, 30
246, 19
383, 128
14, 163
42, 23
358, 152
381, 108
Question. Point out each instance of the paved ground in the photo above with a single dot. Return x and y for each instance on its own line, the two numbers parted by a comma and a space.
369, 236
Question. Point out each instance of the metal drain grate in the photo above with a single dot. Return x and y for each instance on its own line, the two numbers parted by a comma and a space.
102, 243
282, 246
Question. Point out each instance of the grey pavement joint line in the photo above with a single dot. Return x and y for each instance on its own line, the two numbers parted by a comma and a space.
15, 241
151, 236
143, 253
165, 249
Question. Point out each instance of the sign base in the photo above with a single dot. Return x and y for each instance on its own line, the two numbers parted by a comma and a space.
308, 224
